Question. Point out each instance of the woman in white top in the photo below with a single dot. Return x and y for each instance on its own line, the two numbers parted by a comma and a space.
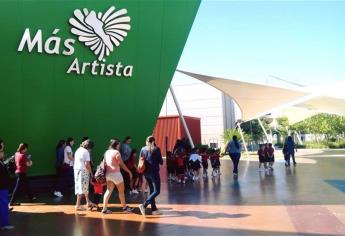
82, 173
114, 177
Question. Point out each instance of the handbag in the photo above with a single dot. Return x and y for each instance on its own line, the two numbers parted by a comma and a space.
141, 165
100, 175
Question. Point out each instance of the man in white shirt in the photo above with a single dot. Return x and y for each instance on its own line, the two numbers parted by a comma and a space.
82, 174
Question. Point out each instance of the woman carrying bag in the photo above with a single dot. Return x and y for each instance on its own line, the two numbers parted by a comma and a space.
150, 160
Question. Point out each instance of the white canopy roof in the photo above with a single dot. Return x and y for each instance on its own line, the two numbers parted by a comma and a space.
256, 100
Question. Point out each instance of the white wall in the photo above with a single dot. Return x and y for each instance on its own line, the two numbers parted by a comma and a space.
200, 100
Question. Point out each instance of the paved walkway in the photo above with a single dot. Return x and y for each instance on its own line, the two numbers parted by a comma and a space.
306, 200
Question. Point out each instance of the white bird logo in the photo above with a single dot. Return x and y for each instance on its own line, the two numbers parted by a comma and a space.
100, 31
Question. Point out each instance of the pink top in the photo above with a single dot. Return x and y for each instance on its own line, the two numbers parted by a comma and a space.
112, 160
21, 160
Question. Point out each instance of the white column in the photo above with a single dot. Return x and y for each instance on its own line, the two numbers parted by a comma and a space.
181, 117
242, 137
263, 129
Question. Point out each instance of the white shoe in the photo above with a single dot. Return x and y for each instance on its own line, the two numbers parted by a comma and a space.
7, 227
142, 209
134, 191
156, 213
58, 194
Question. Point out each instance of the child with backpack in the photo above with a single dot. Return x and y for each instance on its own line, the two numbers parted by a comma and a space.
262, 156
171, 167
204, 161
215, 162
195, 161
270, 156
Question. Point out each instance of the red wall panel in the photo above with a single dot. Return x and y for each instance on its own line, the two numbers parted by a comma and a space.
172, 128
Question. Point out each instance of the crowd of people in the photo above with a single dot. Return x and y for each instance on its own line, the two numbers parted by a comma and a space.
184, 164
76, 171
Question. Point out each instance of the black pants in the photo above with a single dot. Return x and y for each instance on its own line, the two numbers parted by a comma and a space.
59, 182
126, 180
21, 184
235, 157
97, 198
287, 158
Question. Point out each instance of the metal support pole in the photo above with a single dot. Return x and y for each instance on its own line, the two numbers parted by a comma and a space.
242, 137
181, 117
263, 128
299, 138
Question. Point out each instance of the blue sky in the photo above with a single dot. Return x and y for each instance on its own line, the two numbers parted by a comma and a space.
300, 41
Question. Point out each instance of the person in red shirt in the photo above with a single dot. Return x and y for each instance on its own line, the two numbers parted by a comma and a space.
204, 161
23, 162
134, 169
270, 155
171, 166
215, 162
180, 161
97, 195
262, 156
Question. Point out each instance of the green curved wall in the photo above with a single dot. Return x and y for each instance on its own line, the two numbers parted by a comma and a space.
40, 103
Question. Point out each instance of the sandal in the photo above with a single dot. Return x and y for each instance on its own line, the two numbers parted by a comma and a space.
80, 208
91, 206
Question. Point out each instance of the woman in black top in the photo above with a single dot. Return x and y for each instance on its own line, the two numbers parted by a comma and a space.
153, 159
4, 184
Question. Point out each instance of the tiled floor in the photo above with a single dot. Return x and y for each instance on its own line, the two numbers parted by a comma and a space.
305, 200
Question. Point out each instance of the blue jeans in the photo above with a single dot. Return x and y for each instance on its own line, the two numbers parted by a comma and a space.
3, 208
154, 182
235, 157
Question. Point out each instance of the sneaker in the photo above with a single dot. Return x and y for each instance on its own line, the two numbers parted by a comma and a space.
127, 209
156, 213
58, 194
105, 211
235, 174
142, 209
184, 181
7, 227
135, 191
15, 204
179, 180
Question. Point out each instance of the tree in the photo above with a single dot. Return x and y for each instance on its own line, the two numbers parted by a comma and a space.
332, 126
253, 129
229, 133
